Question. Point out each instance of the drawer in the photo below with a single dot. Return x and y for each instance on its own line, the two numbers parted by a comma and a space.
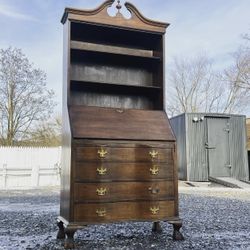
123, 191
123, 211
136, 154
105, 171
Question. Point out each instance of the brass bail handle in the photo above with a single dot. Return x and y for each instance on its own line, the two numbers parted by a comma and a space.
154, 154
155, 210
101, 171
101, 191
101, 212
102, 153
154, 170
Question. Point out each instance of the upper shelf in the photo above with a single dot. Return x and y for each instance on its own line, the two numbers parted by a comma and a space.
112, 85
116, 50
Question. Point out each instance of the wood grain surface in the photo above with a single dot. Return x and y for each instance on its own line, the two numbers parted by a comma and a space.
123, 211
105, 123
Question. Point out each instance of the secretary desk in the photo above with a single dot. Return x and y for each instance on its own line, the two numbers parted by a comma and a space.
119, 151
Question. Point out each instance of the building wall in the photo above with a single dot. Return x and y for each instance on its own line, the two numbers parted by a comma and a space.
192, 153
197, 163
179, 128
238, 147
248, 133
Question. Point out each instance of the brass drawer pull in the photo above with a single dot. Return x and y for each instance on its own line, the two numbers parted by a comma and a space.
120, 111
154, 210
154, 170
153, 154
101, 171
101, 212
102, 153
154, 190
101, 191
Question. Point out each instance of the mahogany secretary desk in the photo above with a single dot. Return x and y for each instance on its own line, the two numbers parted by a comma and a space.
119, 152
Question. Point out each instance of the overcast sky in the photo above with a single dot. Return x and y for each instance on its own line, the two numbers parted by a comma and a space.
197, 26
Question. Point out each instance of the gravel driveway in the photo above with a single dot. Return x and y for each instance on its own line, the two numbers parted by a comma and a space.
214, 218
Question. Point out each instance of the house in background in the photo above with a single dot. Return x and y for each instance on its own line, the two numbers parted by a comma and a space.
211, 145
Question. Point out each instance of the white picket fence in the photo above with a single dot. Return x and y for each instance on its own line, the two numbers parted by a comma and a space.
23, 167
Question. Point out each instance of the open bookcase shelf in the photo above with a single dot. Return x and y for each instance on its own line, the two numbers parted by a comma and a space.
114, 85
113, 50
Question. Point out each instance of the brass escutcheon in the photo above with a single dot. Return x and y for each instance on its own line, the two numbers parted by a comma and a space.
101, 191
101, 171
154, 190
102, 152
154, 210
154, 170
101, 212
153, 154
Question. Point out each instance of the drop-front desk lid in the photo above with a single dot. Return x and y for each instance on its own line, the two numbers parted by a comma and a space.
129, 124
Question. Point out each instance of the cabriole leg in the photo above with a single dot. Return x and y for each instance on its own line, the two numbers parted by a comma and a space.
156, 227
177, 235
61, 233
69, 241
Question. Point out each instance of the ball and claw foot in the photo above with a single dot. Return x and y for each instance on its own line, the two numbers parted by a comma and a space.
69, 241
177, 235
61, 233
156, 227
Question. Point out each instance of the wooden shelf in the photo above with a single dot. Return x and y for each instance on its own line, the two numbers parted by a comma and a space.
114, 50
119, 85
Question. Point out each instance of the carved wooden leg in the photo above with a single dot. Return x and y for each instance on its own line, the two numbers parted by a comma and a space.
177, 234
156, 227
61, 233
69, 241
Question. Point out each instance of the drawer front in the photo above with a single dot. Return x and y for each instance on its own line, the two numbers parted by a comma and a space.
121, 211
104, 171
123, 191
137, 154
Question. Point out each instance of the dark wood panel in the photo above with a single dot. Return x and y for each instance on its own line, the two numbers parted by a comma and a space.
104, 123
89, 96
122, 211
118, 37
105, 68
107, 171
66, 160
137, 154
123, 191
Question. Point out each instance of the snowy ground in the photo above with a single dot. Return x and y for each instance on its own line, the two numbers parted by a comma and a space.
213, 218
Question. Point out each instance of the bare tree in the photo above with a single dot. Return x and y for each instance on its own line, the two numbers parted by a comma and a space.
239, 73
237, 78
193, 86
24, 98
46, 133
196, 87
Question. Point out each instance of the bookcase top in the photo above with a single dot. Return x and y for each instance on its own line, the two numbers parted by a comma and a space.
100, 16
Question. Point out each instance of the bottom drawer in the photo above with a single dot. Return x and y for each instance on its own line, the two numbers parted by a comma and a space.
121, 211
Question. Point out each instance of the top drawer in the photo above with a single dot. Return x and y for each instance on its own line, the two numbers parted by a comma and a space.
123, 154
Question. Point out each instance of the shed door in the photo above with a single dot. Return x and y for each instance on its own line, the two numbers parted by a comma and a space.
218, 147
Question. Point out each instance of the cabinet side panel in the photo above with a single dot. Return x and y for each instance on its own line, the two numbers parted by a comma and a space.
66, 131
